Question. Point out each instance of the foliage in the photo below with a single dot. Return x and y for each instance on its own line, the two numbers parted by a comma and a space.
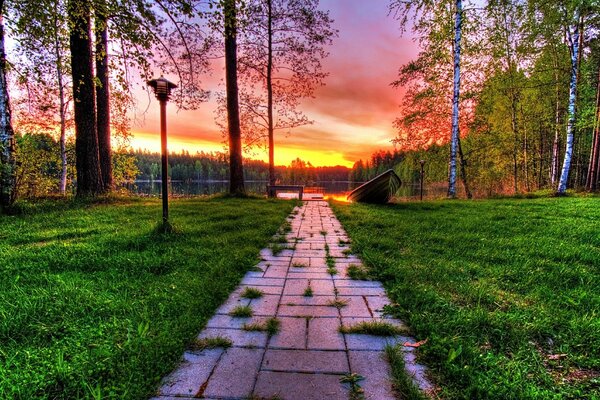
93, 301
498, 287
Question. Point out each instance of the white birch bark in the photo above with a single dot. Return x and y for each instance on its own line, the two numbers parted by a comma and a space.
573, 39
455, 101
7, 136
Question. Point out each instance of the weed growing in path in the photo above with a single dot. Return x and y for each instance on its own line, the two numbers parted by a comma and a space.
356, 392
241, 312
308, 292
358, 272
251, 293
271, 326
402, 382
338, 303
211, 343
375, 328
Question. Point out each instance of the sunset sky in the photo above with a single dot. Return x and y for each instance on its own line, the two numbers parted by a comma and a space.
352, 114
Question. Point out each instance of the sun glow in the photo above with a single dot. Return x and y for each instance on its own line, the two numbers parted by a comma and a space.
284, 155
338, 197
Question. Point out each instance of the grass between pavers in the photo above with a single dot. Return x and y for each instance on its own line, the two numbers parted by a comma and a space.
241, 312
271, 326
506, 291
358, 272
251, 293
375, 328
211, 343
94, 302
402, 382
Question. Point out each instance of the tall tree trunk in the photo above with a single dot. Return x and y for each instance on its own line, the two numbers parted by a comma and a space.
556, 142
592, 176
61, 112
270, 93
236, 169
574, 45
455, 101
513, 124
525, 158
103, 97
7, 134
89, 178
463, 171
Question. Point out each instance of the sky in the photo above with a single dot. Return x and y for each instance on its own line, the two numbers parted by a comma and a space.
353, 113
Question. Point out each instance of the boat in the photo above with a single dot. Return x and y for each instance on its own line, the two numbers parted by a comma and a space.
378, 190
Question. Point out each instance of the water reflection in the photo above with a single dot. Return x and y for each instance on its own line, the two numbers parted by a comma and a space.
331, 190
195, 188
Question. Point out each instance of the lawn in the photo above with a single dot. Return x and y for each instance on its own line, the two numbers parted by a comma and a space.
95, 304
507, 292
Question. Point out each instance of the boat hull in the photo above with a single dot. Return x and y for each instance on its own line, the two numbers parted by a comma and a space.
378, 190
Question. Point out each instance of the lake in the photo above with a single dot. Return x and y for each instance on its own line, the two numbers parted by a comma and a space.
335, 189
194, 188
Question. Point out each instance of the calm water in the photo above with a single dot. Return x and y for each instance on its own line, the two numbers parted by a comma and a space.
334, 189
195, 188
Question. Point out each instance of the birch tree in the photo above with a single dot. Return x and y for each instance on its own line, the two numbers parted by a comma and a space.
7, 135
440, 28
573, 32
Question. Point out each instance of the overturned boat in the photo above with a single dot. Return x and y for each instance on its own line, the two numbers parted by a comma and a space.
378, 190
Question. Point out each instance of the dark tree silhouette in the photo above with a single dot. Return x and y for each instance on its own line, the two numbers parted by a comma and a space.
236, 179
89, 178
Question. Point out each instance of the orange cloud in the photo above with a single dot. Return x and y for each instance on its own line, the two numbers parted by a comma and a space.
353, 113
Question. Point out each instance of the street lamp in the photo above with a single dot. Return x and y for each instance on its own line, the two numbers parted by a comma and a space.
422, 162
162, 89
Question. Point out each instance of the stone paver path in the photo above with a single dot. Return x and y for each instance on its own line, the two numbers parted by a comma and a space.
308, 356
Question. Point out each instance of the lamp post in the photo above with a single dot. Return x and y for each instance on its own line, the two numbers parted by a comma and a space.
422, 162
162, 89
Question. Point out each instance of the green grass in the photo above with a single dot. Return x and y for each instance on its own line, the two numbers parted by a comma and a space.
211, 343
355, 392
375, 328
338, 303
271, 326
308, 292
251, 293
358, 272
95, 302
241, 312
498, 287
402, 382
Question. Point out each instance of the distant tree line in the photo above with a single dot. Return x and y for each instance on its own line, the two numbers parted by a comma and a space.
214, 166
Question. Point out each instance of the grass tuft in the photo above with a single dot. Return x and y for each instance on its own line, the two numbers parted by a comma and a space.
375, 328
211, 343
271, 326
308, 292
401, 380
338, 303
241, 312
251, 293
277, 248
358, 272
356, 392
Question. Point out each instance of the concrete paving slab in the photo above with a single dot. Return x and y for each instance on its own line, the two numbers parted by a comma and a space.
296, 386
234, 375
